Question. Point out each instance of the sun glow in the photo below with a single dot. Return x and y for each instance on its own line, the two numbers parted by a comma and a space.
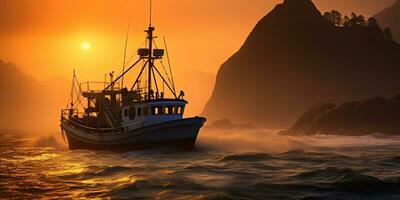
85, 45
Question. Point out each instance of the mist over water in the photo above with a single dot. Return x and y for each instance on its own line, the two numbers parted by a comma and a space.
247, 140
269, 141
227, 164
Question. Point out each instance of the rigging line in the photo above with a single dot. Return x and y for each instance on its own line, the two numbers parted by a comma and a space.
78, 95
137, 79
155, 80
133, 55
155, 44
166, 73
126, 46
169, 64
173, 92
77, 83
80, 103
72, 87
78, 99
116, 80
140, 80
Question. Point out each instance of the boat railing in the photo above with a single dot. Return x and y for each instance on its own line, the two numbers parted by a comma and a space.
93, 86
65, 113
70, 112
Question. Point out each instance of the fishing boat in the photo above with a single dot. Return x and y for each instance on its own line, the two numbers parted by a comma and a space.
148, 114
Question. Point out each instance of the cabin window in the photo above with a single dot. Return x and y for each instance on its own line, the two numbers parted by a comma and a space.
159, 110
107, 99
156, 110
132, 113
169, 110
139, 111
179, 110
146, 111
126, 111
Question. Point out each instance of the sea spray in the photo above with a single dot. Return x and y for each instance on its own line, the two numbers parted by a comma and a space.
248, 140
262, 140
52, 140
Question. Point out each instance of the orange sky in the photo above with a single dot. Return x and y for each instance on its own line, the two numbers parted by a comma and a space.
43, 37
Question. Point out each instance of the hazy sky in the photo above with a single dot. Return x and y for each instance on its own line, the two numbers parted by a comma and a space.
43, 37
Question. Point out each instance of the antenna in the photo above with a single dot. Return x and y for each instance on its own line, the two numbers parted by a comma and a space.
169, 64
71, 103
126, 46
151, 7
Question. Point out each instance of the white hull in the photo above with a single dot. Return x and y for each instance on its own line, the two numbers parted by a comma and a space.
180, 134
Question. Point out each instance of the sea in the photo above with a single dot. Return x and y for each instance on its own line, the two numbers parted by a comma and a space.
225, 164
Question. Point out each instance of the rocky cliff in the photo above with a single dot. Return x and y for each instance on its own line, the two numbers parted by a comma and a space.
293, 59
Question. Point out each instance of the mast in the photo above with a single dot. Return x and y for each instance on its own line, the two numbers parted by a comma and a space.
150, 59
149, 54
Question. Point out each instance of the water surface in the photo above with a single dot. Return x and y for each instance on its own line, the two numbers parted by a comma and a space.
324, 167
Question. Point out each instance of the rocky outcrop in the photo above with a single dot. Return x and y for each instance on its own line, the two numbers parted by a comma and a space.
376, 115
293, 59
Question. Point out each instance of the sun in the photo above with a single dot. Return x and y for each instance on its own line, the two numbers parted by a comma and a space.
85, 45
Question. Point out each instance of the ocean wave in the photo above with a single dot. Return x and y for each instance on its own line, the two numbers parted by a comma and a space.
347, 179
365, 184
12, 141
313, 157
201, 196
106, 170
145, 188
327, 173
88, 172
249, 157
392, 159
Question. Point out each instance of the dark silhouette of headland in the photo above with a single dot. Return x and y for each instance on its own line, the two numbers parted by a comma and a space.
372, 116
296, 57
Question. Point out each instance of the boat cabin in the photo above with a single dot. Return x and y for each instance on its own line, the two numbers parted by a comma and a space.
152, 112
122, 108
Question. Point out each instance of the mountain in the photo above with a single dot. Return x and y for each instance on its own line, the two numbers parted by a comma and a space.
390, 18
376, 115
295, 58
30, 104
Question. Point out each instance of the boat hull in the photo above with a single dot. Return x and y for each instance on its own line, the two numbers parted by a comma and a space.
178, 134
